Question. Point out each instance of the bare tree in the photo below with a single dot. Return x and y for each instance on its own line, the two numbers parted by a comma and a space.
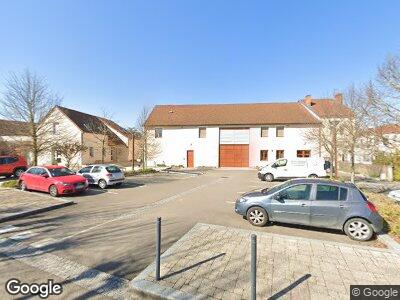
28, 98
149, 147
69, 151
134, 139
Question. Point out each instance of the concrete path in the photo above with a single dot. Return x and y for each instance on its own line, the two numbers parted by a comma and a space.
213, 262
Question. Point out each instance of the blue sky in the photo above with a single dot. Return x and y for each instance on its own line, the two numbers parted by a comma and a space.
123, 55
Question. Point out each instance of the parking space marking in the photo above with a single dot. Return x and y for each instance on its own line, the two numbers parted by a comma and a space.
23, 235
114, 193
230, 202
7, 228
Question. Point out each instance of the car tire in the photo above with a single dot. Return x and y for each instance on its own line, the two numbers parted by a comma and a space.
118, 184
313, 176
53, 191
257, 216
18, 172
102, 184
22, 186
268, 177
358, 229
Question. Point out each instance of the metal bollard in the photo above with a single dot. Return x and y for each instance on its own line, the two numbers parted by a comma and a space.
253, 272
158, 248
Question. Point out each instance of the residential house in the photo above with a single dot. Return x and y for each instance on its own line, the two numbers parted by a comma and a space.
15, 138
238, 135
105, 140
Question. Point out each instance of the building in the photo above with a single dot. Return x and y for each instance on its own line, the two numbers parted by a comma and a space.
239, 135
104, 140
15, 138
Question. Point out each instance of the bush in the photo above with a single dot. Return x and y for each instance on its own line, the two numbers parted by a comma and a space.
390, 160
139, 172
10, 184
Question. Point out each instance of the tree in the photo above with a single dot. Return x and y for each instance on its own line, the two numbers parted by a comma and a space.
148, 146
28, 98
134, 137
69, 151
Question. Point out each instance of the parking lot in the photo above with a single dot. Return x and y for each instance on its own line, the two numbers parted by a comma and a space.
114, 230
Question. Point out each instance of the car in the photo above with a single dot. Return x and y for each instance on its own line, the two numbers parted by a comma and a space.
12, 165
55, 180
103, 175
313, 202
294, 168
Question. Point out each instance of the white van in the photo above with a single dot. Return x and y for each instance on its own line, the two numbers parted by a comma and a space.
293, 168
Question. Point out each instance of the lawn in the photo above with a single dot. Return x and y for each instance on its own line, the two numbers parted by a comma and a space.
389, 210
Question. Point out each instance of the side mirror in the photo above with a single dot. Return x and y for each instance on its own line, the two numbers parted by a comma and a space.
279, 197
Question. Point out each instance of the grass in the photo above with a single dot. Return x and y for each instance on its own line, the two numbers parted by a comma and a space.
139, 172
389, 210
10, 184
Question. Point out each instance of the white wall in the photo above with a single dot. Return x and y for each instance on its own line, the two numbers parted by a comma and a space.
176, 141
292, 141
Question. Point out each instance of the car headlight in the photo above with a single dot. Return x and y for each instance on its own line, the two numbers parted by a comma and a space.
66, 184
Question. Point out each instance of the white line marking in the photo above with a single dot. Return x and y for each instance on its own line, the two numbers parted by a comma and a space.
44, 242
241, 192
8, 228
114, 193
230, 202
23, 235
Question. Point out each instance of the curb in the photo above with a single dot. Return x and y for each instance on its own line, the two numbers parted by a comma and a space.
35, 211
182, 172
389, 241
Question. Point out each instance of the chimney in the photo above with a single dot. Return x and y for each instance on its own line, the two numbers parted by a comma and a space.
339, 98
308, 100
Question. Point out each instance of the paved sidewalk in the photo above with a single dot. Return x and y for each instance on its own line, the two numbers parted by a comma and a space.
214, 262
15, 203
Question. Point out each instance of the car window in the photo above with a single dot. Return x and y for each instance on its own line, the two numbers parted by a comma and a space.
58, 172
96, 169
281, 162
343, 194
297, 192
113, 169
32, 171
85, 170
327, 192
2, 160
10, 160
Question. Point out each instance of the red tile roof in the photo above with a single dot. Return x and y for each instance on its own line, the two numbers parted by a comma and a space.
329, 108
230, 114
388, 129
14, 128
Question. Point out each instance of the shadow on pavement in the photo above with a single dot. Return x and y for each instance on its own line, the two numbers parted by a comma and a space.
290, 287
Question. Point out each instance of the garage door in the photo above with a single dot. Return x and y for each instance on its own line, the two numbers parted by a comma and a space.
233, 155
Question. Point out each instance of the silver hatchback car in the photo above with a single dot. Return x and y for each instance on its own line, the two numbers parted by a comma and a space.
313, 202
103, 175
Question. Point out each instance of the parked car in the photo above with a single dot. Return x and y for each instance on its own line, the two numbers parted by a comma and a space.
313, 202
293, 168
56, 180
12, 165
103, 175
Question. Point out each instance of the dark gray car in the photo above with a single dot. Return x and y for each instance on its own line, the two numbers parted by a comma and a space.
313, 202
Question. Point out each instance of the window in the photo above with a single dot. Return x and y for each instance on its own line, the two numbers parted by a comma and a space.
85, 170
10, 160
280, 130
32, 171
264, 131
113, 169
55, 127
263, 155
96, 169
280, 163
327, 192
297, 192
91, 151
303, 153
280, 154
2, 160
343, 194
202, 132
158, 133
59, 172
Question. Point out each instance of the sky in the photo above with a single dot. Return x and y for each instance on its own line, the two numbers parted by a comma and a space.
124, 55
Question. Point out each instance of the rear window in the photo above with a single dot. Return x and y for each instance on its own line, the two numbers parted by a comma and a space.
113, 169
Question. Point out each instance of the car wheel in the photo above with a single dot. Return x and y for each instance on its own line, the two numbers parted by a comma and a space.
53, 191
22, 186
313, 176
102, 184
257, 216
358, 229
268, 177
18, 172
118, 184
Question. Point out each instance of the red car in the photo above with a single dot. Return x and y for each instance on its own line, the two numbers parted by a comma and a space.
12, 165
56, 180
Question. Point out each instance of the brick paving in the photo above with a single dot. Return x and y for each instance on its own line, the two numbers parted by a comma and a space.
213, 262
15, 203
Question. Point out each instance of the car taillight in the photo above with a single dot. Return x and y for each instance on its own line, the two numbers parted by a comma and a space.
109, 175
371, 207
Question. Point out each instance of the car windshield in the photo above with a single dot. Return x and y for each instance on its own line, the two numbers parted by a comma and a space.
276, 188
113, 169
58, 172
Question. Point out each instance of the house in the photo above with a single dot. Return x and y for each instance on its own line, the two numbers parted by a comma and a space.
239, 135
104, 140
14, 138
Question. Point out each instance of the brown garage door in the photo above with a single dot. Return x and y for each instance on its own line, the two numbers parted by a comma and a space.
233, 155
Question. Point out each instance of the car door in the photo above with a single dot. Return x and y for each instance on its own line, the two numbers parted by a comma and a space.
292, 204
281, 170
30, 178
42, 180
328, 206
85, 172
96, 174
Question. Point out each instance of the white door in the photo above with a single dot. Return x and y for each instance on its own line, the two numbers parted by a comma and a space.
96, 173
